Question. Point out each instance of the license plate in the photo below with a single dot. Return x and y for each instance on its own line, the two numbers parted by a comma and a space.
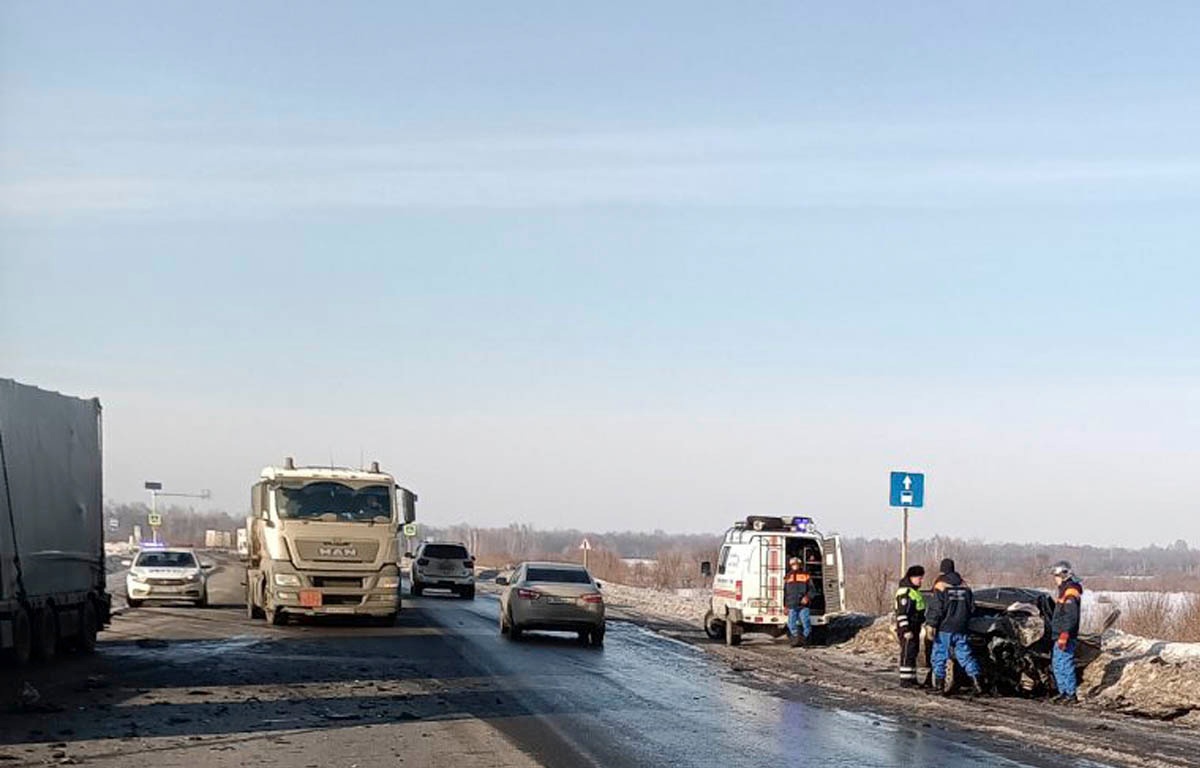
560, 601
339, 609
310, 598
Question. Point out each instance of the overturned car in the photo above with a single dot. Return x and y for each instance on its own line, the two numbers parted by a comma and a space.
1009, 633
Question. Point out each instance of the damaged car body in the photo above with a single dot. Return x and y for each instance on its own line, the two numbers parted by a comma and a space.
1009, 633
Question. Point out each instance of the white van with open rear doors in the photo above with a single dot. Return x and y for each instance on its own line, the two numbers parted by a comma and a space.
747, 594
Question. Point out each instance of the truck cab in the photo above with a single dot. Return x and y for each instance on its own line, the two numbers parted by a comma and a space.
747, 594
325, 541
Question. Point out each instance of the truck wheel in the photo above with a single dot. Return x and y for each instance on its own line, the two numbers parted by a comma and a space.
45, 634
278, 617
89, 627
22, 648
733, 633
713, 628
252, 610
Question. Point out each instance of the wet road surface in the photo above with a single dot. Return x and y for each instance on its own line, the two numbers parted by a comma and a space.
210, 686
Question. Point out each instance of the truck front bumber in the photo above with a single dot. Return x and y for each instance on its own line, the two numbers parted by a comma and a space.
376, 594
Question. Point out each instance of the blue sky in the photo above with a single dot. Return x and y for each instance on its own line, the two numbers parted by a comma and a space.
622, 267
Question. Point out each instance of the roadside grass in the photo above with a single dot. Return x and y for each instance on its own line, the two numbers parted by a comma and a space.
1152, 614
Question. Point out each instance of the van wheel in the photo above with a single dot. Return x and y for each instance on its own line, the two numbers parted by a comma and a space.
713, 626
733, 633
45, 634
22, 648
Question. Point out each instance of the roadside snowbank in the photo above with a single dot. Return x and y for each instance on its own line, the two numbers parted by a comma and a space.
1136, 675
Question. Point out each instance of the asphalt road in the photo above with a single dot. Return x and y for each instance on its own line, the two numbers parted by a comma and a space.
176, 686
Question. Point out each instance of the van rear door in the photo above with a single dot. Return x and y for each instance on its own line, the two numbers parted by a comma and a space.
834, 577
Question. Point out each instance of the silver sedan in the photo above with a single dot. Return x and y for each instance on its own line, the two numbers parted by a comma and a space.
552, 596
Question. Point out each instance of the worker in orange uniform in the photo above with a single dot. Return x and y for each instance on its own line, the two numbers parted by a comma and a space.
797, 595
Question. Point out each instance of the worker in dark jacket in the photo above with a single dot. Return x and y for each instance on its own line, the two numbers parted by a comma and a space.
797, 594
910, 616
1064, 627
949, 612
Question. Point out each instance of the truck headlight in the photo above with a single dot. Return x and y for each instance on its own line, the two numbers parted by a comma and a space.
287, 580
388, 582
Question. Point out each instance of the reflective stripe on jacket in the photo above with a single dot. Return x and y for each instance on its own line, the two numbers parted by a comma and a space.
910, 608
796, 589
1066, 609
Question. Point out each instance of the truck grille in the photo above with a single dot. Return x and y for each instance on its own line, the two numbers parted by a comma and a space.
337, 581
340, 551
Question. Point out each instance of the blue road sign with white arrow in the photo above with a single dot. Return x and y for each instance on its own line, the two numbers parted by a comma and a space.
908, 489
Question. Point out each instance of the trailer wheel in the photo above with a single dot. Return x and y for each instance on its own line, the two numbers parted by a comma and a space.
733, 633
713, 627
89, 627
22, 648
45, 634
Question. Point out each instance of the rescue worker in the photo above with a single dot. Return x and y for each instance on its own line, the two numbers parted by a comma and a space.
949, 612
797, 594
1064, 626
910, 616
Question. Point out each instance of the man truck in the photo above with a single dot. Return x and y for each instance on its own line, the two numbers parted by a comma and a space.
52, 588
324, 541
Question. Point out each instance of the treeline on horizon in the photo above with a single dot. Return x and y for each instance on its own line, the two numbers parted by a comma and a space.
186, 526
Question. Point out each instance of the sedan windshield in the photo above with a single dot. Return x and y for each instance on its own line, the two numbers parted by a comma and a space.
335, 502
166, 560
559, 575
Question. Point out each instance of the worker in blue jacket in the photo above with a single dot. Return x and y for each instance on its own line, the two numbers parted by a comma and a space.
1064, 628
797, 596
949, 613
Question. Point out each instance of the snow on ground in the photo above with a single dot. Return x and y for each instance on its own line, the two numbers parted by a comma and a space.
1137, 675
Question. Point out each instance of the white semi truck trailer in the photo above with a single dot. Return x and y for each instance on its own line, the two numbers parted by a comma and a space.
52, 586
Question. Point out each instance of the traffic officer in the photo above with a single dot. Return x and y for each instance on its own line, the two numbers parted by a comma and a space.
910, 616
949, 612
797, 594
1064, 626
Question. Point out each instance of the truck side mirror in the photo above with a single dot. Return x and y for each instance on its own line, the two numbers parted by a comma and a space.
706, 568
408, 504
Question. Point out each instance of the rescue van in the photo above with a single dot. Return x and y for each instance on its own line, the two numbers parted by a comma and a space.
747, 594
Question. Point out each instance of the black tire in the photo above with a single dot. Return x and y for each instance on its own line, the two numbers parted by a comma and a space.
133, 603
386, 621
714, 628
252, 610
278, 617
468, 593
515, 632
45, 634
596, 637
733, 633
416, 589
89, 627
585, 636
22, 650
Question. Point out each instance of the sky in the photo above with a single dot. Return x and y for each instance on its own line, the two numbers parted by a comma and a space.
617, 266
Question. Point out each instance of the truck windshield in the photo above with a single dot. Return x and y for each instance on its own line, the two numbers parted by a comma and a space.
336, 503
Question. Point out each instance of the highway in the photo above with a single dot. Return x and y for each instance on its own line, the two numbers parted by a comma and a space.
177, 686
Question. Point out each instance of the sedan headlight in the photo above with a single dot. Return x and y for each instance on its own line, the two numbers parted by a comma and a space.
287, 580
388, 582
194, 577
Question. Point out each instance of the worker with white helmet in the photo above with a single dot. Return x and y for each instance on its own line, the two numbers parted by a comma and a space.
797, 594
1064, 626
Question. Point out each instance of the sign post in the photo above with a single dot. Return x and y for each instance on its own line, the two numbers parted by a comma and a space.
907, 491
586, 546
